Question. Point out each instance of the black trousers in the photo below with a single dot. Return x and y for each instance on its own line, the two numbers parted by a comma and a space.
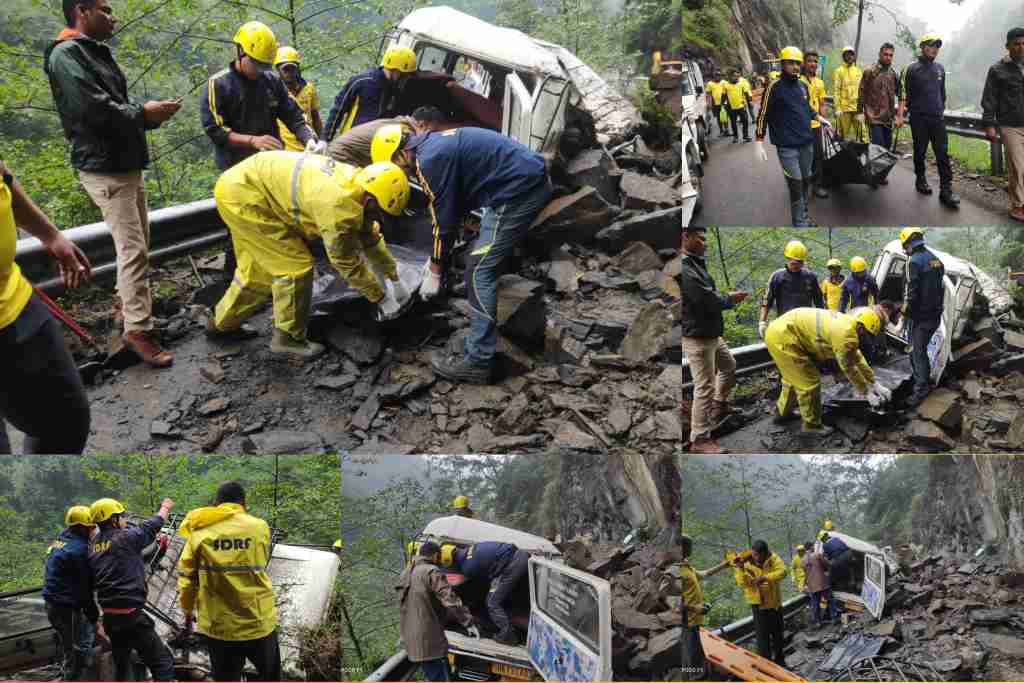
41, 392
921, 333
769, 628
67, 622
501, 589
931, 131
136, 631
227, 658
741, 115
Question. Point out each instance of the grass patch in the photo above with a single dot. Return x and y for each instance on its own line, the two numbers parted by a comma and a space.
972, 154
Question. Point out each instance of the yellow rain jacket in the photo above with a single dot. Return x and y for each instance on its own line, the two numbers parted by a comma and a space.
308, 99
799, 574
816, 88
774, 569
745, 580
273, 203
832, 293
846, 87
693, 595
802, 339
15, 290
717, 90
222, 573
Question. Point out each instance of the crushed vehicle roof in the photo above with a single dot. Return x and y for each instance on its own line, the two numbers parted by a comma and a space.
465, 530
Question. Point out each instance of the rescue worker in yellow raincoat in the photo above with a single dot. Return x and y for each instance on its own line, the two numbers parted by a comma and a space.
797, 568
845, 97
804, 338
222, 575
760, 574
695, 612
832, 286
272, 203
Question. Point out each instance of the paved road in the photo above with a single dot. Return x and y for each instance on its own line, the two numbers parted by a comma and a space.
741, 190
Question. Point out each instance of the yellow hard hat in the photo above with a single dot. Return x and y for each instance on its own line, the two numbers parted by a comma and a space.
257, 41
799, 547
858, 264
386, 141
337, 544
849, 48
447, 554
929, 37
400, 59
412, 548
105, 508
387, 183
828, 525
80, 515
460, 503
822, 535
796, 250
907, 233
834, 263
791, 54
287, 55
870, 320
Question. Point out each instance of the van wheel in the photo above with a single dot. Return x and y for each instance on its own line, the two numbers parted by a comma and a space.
702, 141
696, 177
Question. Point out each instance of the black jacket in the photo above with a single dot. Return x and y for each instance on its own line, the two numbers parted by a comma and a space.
231, 103
115, 558
105, 128
1002, 102
702, 303
926, 290
924, 88
788, 290
68, 580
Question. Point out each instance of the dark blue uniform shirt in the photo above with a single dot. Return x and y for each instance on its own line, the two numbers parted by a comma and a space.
373, 91
67, 579
925, 290
115, 557
788, 290
855, 292
485, 560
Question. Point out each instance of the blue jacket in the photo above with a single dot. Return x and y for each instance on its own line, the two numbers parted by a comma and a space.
373, 91
485, 560
788, 290
67, 580
786, 112
855, 292
465, 169
833, 547
924, 88
231, 103
925, 290
115, 557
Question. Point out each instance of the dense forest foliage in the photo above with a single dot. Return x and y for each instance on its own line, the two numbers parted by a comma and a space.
389, 499
784, 500
744, 258
168, 48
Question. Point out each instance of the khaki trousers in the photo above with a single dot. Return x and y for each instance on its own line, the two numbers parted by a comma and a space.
714, 375
121, 198
1013, 140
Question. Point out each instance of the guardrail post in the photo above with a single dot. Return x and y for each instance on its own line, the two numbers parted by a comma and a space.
996, 153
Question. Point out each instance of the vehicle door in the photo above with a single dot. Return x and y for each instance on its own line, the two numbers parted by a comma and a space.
873, 590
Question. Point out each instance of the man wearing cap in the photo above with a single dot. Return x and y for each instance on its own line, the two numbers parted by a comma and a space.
832, 286
289, 67
1002, 105
846, 83
67, 593
370, 94
712, 365
923, 88
786, 111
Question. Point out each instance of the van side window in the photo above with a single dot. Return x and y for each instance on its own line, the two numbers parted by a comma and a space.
431, 59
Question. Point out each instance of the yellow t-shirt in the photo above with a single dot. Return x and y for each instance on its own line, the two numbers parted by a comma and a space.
716, 90
15, 290
734, 93
817, 91
308, 99
832, 293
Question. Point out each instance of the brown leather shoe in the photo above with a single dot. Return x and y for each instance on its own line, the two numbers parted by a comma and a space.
719, 411
707, 447
148, 349
1018, 214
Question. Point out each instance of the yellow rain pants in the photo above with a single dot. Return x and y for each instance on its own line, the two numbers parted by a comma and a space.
272, 203
803, 338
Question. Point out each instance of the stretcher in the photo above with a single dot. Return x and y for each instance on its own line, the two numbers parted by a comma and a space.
743, 664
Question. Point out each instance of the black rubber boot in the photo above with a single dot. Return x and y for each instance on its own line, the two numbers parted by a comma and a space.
949, 198
922, 185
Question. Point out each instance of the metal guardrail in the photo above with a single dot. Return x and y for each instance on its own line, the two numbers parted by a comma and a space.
750, 358
174, 231
968, 125
396, 668
743, 629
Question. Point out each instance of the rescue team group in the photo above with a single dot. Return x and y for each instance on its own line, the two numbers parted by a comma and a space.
870, 104
816, 568
835, 322
97, 563
281, 186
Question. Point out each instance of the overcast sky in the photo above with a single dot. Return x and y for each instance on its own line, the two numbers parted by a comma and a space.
943, 17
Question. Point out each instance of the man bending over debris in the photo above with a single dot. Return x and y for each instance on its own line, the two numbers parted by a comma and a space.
803, 339
839, 557
504, 566
694, 664
424, 596
763, 572
461, 170
222, 574
119, 578
272, 203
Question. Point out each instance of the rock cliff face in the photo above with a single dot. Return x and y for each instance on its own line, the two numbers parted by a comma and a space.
971, 501
766, 26
608, 496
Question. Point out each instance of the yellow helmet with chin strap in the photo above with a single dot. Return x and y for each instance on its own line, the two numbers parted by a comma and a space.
386, 141
257, 42
287, 55
858, 264
387, 183
399, 58
795, 250
791, 54
79, 515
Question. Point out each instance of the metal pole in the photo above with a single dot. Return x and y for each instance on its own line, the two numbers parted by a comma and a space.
803, 39
996, 154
